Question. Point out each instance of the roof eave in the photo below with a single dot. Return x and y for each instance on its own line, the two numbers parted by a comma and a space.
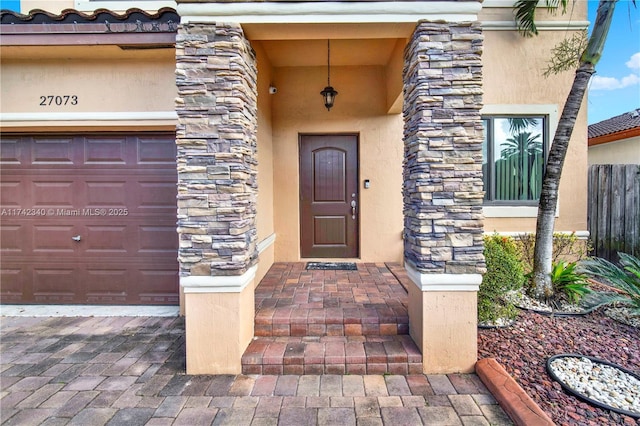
613, 137
83, 39
135, 27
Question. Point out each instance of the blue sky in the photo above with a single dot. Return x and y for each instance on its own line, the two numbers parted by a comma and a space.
615, 88
10, 4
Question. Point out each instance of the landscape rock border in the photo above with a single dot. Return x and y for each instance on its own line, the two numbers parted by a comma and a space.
501, 323
571, 390
524, 348
558, 313
512, 398
522, 301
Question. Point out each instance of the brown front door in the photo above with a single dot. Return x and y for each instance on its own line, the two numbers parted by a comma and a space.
329, 205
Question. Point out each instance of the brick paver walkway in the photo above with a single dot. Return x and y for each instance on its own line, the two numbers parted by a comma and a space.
130, 371
331, 322
293, 301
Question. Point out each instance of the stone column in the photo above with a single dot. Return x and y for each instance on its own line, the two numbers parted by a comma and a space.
216, 77
443, 192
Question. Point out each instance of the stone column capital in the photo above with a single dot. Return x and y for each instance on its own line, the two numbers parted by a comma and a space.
443, 282
218, 284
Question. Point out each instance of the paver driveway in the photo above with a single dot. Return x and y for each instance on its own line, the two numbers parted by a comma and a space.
130, 371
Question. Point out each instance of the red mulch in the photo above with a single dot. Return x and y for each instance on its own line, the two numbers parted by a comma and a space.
524, 347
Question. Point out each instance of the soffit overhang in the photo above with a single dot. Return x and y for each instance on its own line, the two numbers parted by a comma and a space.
329, 11
304, 20
363, 32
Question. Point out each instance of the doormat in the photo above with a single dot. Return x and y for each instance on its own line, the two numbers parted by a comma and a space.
332, 266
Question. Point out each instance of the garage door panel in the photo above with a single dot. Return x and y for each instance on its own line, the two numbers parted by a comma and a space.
105, 239
156, 151
158, 239
158, 285
11, 195
53, 239
54, 298
11, 153
102, 150
13, 239
106, 194
159, 299
12, 279
154, 195
53, 194
54, 284
107, 299
58, 151
106, 285
101, 279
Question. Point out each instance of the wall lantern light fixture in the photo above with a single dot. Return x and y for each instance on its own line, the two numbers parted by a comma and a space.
329, 94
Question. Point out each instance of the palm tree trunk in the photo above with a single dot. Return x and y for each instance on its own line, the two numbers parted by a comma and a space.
543, 252
542, 257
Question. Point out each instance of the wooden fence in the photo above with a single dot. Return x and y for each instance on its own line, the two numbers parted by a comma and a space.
614, 209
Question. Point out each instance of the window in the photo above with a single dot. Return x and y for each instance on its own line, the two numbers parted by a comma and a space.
513, 151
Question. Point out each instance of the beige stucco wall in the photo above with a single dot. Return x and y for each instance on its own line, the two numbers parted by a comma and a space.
506, 55
105, 79
56, 6
619, 152
359, 108
265, 217
223, 320
53, 6
116, 85
444, 326
576, 11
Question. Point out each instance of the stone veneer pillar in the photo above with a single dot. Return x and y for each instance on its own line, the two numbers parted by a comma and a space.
443, 192
216, 77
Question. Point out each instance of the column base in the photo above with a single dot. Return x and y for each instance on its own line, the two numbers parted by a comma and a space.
443, 323
219, 319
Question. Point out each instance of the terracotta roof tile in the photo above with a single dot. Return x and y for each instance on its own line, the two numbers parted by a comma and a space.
72, 16
619, 123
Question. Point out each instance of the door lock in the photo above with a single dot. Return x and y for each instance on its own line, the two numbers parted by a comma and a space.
353, 209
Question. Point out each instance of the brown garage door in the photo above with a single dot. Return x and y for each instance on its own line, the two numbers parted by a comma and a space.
88, 219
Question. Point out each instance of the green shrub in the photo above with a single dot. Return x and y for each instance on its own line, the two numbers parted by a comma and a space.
565, 246
504, 273
568, 281
625, 279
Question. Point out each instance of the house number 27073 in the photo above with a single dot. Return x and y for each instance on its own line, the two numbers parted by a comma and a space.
58, 100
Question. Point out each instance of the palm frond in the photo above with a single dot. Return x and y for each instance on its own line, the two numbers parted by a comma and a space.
518, 124
611, 273
552, 5
523, 144
597, 299
630, 264
625, 278
525, 13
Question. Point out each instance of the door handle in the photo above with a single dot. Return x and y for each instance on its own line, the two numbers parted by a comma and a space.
353, 209
76, 238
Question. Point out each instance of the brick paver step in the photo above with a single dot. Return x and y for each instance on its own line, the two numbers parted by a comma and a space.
370, 320
393, 354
